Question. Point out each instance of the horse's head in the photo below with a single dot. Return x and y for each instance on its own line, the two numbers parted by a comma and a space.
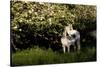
68, 29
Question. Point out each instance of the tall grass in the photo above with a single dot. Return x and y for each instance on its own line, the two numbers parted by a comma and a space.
37, 56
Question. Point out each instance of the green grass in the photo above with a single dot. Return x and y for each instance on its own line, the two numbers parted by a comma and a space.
37, 56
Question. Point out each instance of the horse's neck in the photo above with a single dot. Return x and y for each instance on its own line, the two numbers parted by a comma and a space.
64, 34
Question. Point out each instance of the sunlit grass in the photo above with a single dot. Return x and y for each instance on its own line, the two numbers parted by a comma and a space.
36, 56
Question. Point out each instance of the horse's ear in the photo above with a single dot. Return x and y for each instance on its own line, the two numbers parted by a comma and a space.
69, 24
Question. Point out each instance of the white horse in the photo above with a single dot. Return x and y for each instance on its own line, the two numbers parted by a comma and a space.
66, 42
70, 39
73, 33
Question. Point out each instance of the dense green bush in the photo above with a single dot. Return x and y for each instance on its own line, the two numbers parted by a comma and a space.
42, 23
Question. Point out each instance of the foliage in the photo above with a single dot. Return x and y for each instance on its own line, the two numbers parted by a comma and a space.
42, 23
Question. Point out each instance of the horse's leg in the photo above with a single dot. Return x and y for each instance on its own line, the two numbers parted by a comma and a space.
74, 47
64, 49
73, 43
78, 44
68, 49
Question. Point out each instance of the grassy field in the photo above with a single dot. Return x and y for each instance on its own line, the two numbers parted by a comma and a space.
37, 56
